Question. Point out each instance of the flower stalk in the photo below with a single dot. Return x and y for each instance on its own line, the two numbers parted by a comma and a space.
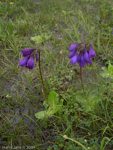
42, 77
81, 79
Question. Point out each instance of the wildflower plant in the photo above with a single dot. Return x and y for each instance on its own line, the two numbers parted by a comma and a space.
29, 55
79, 53
82, 54
52, 103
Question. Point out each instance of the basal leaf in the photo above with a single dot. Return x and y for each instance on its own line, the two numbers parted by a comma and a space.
37, 39
41, 114
53, 99
108, 72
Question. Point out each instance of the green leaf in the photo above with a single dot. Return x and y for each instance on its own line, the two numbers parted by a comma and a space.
37, 39
46, 113
54, 106
54, 103
40, 38
41, 114
53, 99
102, 147
110, 69
77, 142
45, 104
90, 101
51, 112
108, 72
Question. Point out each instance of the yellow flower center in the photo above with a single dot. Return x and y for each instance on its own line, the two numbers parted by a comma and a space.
11, 3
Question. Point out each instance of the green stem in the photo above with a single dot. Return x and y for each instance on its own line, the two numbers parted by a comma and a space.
81, 79
42, 77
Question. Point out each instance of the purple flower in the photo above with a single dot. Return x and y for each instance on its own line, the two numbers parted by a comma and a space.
37, 59
78, 58
91, 52
73, 46
90, 61
23, 62
81, 55
86, 56
29, 54
74, 60
72, 53
82, 61
26, 51
30, 62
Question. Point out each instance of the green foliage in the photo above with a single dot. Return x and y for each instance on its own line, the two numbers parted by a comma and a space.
103, 143
108, 72
65, 136
52, 25
54, 106
90, 101
41, 38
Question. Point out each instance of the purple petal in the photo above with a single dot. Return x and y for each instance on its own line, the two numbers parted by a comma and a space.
79, 58
37, 59
82, 61
90, 61
30, 63
91, 52
73, 60
26, 52
73, 46
72, 54
86, 56
23, 62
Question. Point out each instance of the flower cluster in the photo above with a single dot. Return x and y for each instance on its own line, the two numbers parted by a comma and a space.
80, 54
28, 61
